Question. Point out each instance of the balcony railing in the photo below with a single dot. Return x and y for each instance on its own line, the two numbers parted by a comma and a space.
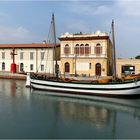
82, 56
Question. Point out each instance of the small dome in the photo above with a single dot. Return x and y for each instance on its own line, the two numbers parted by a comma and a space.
98, 32
67, 33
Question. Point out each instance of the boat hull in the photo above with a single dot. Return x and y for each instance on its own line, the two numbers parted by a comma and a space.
90, 89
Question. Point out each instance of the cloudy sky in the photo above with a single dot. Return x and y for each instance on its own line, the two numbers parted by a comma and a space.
28, 21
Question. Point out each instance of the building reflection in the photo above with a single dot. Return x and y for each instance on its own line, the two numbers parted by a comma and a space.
99, 116
13, 88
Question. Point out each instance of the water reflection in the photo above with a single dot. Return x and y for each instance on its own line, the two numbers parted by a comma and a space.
90, 114
29, 114
14, 88
101, 113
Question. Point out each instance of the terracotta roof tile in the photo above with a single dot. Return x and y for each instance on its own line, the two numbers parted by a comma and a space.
32, 45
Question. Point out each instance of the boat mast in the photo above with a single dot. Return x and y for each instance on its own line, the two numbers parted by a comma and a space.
114, 52
55, 49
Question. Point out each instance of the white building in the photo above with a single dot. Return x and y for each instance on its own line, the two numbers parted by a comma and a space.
29, 57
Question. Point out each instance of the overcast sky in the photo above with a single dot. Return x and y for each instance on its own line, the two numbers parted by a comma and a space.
29, 21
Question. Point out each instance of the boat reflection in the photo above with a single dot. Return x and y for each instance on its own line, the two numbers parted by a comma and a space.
99, 111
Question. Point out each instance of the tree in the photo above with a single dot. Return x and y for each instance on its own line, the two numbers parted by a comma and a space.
137, 57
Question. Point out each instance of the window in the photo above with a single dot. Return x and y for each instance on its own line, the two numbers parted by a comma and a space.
31, 67
42, 55
77, 49
11, 55
31, 55
21, 55
128, 69
87, 50
21, 67
67, 67
66, 49
89, 65
3, 55
42, 67
98, 49
82, 49
3, 66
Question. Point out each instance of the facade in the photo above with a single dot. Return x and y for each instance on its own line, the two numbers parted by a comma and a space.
92, 54
127, 66
29, 57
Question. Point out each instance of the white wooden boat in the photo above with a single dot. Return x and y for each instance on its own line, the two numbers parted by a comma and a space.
72, 88
112, 89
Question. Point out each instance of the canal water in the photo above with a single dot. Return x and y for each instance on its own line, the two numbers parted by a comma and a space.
25, 113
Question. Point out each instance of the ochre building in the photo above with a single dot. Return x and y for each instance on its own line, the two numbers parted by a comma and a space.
85, 54
127, 66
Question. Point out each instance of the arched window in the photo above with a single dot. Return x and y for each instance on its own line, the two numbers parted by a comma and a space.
86, 45
98, 49
67, 67
66, 49
21, 66
77, 49
3, 66
82, 49
98, 69
87, 50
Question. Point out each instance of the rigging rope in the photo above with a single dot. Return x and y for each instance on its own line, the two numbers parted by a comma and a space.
46, 42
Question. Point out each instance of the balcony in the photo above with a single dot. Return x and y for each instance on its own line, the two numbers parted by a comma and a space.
84, 56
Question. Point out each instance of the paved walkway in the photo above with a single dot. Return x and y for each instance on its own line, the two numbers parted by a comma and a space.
9, 75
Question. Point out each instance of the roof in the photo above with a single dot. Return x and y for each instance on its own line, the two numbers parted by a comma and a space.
32, 45
83, 38
80, 36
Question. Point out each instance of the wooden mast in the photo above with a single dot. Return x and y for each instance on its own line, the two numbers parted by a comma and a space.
114, 52
55, 49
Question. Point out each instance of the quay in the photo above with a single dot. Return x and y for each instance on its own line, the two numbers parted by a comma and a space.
9, 75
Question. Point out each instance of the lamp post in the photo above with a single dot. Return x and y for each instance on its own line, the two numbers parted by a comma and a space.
13, 65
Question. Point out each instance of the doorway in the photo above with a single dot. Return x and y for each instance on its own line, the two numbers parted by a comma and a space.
98, 69
67, 67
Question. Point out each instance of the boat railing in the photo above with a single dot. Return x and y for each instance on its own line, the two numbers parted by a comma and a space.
85, 79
